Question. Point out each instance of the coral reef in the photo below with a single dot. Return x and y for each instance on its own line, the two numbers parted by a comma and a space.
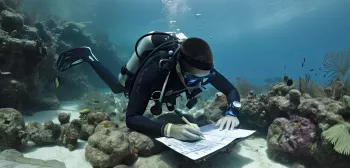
26, 63
294, 136
13, 133
11, 21
20, 58
115, 145
28, 54
44, 134
299, 124
146, 145
325, 155
70, 134
63, 118
89, 122
215, 108
299, 128
255, 112
107, 148
302, 125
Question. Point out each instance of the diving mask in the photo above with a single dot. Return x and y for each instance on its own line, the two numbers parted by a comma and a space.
192, 80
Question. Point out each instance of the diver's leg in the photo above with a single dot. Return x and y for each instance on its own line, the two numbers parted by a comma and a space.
108, 77
75, 56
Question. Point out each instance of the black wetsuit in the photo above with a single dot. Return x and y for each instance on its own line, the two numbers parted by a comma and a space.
149, 79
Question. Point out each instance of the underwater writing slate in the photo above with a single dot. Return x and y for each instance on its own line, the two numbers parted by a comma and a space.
214, 141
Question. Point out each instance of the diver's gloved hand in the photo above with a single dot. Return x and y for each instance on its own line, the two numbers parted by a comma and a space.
228, 122
183, 132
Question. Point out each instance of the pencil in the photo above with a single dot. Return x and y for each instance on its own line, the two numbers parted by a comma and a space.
186, 121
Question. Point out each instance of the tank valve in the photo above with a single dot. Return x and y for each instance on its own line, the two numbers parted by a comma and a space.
171, 52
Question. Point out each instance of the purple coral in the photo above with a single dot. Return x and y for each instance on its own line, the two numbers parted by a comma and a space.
294, 136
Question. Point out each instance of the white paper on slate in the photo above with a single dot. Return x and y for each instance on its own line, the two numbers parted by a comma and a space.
214, 141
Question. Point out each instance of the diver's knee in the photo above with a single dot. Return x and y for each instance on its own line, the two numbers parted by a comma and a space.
128, 122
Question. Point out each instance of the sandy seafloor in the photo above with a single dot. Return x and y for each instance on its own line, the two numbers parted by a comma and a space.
250, 153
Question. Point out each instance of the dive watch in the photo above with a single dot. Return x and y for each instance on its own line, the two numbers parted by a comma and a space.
233, 109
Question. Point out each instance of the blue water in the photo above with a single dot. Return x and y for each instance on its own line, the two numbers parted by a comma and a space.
249, 38
253, 39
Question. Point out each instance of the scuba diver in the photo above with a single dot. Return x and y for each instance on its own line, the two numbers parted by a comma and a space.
163, 66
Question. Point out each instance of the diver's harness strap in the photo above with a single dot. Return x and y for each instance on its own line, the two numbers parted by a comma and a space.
164, 65
170, 98
125, 71
130, 77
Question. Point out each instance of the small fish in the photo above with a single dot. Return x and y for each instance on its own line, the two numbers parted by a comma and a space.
304, 59
311, 70
324, 75
96, 101
84, 111
302, 65
5, 73
316, 73
288, 81
57, 81
284, 66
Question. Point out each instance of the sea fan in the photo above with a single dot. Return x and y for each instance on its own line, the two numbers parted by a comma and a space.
337, 63
339, 136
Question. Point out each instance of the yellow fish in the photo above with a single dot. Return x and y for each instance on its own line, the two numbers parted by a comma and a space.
84, 111
57, 81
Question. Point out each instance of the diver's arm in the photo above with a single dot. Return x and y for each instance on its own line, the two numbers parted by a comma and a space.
224, 86
107, 76
138, 101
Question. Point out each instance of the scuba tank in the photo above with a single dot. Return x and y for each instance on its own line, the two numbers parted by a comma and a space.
130, 69
147, 49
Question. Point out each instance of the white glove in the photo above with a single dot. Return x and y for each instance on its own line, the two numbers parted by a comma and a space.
229, 121
183, 132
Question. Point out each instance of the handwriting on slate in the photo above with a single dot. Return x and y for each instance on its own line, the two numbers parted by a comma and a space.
214, 141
